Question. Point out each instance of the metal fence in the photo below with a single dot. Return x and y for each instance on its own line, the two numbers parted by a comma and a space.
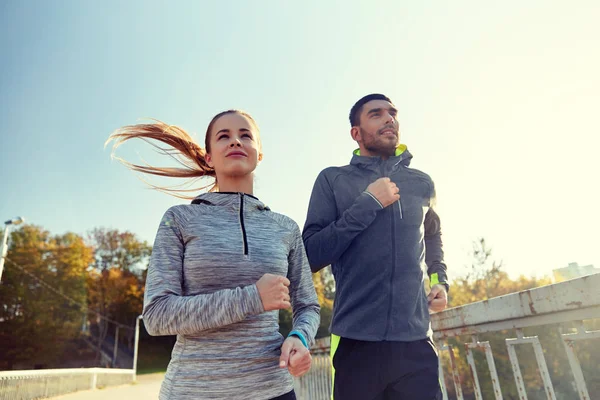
573, 302
316, 383
40, 384
567, 302
547, 307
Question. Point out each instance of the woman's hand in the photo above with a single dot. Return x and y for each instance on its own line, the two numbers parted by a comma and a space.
295, 357
274, 292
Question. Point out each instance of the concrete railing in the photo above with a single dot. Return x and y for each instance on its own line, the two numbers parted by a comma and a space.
40, 384
568, 302
316, 383
573, 301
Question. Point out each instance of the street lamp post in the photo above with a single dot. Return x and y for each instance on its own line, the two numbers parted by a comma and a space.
7, 224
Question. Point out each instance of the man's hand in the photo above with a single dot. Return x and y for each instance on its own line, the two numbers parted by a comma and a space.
385, 191
437, 298
295, 357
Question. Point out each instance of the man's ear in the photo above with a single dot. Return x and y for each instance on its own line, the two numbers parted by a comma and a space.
355, 133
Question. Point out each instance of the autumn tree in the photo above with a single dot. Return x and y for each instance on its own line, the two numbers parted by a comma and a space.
115, 280
43, 296
325, 288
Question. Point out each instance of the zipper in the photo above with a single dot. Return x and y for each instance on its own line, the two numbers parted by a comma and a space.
391, 297
400, 208
245, 238
387, 328
394, 168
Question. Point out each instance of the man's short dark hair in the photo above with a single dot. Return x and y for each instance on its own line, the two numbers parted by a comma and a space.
357, 107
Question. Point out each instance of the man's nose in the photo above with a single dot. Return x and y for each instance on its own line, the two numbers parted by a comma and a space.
389, 118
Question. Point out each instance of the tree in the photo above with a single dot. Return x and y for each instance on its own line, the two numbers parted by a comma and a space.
43, 296
325, 288
116, 280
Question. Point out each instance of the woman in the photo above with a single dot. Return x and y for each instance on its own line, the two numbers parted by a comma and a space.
222, 267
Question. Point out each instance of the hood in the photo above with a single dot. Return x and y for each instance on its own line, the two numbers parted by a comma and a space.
402, 157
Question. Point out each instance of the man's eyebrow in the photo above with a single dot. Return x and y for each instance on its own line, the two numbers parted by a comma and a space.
374, 110
379, 109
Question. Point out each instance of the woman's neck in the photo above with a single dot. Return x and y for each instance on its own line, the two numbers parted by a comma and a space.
243, 184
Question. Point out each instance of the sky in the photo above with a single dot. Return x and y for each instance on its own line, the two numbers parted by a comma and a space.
498, 102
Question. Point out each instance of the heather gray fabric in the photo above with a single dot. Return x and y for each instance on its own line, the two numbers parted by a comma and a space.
206, 259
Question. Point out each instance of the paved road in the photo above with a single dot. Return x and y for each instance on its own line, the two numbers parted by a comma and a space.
147, 387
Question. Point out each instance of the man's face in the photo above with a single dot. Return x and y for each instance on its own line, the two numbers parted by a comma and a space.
378, 132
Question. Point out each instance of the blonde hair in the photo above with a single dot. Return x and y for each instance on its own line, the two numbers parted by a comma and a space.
182, 148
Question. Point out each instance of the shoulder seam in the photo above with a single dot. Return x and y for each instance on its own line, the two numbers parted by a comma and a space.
271, 215
289, 229
181, 215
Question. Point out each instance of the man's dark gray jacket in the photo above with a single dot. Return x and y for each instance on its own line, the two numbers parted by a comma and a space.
378, 255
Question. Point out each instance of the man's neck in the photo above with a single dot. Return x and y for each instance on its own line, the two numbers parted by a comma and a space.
366, 153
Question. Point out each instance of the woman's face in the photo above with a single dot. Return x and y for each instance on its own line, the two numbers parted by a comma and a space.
234, 146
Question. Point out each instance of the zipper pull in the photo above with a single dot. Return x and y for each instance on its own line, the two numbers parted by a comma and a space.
400, 208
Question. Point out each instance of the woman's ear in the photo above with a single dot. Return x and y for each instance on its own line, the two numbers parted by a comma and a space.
260, 156
208, 160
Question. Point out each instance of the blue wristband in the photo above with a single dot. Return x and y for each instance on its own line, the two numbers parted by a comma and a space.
300, 336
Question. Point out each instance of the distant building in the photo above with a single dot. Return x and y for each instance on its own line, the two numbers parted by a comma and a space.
572, 271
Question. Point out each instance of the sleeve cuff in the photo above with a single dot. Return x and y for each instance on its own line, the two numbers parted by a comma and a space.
300, 336
434, 279
373, 197
253, 304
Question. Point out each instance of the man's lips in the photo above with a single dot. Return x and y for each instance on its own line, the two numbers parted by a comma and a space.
388, 131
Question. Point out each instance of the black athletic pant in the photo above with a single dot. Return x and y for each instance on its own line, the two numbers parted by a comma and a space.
288, 396
386, 370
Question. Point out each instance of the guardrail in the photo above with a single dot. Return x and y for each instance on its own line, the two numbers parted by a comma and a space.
573, 302
39, 384
316, 383
570, 302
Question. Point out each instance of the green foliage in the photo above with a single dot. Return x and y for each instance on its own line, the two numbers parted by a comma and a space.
325, 288
51, 284
38, 323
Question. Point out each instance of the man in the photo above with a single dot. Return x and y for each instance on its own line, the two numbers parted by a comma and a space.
373, 221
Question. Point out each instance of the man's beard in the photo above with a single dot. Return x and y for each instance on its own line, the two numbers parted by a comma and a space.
377, 144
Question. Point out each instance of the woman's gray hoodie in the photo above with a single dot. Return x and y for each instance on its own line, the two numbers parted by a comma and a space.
206, 259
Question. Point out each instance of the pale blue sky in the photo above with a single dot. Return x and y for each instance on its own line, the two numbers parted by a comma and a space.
498, 102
